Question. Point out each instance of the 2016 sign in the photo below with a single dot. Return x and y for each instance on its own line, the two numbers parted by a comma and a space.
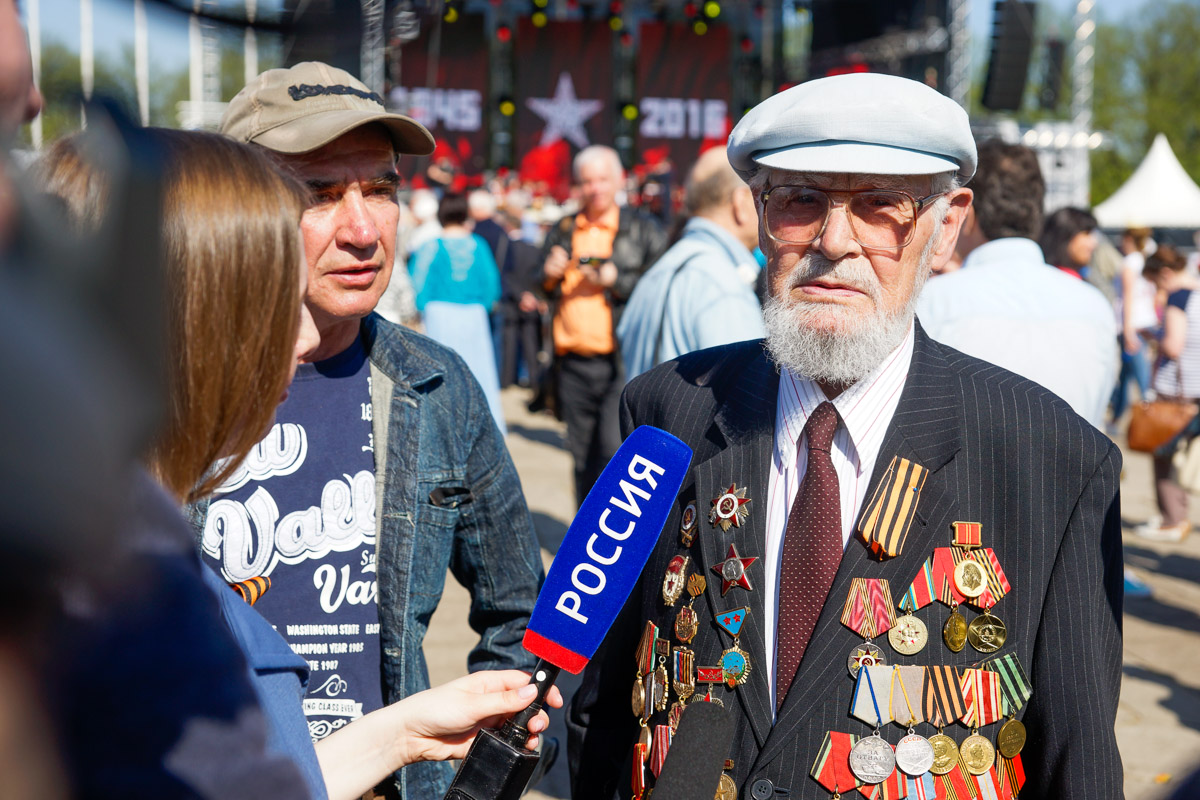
677, 118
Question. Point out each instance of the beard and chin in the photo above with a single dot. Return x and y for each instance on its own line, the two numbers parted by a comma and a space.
828, 342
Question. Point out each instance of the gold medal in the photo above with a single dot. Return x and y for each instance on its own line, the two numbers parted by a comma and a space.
726, 789
674, 714
687, 527
661, 682
686, 624
908, 636
978, 755
735, 666
945, 753
987, 633
954, 632
638, 701
969, 578
684, 666
645, 737
1010, 741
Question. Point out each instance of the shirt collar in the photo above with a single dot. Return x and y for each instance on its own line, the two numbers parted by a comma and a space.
1005, 251
799, 395
609, 220
699, 226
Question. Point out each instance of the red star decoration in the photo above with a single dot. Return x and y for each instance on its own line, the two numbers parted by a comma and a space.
741, 579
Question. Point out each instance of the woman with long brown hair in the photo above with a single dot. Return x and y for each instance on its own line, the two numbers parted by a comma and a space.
236, 327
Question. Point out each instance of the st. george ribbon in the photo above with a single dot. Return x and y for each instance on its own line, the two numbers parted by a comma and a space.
594, 571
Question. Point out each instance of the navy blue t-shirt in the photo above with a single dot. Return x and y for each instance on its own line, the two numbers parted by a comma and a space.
301, 510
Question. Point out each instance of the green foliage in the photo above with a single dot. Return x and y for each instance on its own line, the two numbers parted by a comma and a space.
1147, 82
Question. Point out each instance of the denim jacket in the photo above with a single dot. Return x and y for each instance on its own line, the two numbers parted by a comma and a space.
447, 498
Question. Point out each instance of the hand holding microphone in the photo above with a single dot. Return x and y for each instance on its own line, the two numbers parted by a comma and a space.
593, 573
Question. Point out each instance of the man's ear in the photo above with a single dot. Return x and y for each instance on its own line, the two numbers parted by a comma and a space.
960, 207
744, 208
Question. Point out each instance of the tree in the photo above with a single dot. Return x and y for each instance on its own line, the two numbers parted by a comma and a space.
1147, 82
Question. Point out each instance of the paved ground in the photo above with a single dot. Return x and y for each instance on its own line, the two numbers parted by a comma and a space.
1158, 722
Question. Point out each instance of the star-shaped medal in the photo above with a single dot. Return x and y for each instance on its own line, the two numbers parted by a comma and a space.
733, 570
729, 508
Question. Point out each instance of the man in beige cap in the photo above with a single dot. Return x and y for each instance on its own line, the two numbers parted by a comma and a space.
385, 468
832, 460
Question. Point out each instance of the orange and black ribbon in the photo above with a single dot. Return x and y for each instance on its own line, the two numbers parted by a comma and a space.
868, 610
889, 514
957, 784
997, 581
253, 589
1012, 776
943, 696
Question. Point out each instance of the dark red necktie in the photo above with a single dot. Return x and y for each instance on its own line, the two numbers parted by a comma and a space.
812, 550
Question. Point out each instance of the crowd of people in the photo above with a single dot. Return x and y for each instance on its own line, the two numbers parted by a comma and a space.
834, 307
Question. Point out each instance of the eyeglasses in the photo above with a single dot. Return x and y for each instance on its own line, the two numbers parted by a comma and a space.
879, 219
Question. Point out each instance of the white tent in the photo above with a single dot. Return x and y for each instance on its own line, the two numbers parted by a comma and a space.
1159, 194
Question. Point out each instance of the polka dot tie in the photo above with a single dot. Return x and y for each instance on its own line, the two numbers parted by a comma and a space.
812, 549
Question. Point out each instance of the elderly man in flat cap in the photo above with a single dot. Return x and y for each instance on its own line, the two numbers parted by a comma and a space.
897, 567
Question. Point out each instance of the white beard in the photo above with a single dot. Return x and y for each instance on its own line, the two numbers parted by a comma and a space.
852, 347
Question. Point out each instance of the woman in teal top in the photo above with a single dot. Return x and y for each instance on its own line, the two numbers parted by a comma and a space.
456, 283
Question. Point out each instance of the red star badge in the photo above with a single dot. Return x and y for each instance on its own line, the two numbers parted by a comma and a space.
733, 570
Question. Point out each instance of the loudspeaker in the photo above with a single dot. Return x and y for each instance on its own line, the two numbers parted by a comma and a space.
1052, 81
1012, 42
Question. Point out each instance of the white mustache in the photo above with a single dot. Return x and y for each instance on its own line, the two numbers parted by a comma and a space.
855, 273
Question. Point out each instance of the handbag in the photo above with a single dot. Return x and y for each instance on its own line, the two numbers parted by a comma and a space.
1152, 424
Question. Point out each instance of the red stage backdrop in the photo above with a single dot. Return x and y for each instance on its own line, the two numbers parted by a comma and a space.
564, 86
452, 104
684, 88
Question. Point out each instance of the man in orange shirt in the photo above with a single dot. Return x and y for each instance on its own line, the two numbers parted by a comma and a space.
593, 260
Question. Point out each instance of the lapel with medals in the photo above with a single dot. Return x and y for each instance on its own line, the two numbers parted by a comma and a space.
925, 430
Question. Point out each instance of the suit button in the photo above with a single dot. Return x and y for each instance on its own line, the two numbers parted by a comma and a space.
762, 789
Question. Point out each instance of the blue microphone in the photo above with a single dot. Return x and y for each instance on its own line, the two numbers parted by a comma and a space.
593, 573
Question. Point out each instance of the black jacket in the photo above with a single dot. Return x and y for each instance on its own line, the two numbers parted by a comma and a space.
1000, 450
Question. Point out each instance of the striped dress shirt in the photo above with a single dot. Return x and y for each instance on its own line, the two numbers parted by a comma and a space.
866, 409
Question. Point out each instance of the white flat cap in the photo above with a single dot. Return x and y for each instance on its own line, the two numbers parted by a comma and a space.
862, 123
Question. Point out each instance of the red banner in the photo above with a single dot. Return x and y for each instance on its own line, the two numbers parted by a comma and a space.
564, 85
684, 90
445, 88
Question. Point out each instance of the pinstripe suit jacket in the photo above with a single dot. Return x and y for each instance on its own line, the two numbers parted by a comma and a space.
1000, 450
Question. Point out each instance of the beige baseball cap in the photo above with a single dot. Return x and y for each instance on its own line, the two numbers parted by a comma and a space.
307, 106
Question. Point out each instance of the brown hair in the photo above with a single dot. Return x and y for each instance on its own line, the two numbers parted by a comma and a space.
231, 237
1165, 259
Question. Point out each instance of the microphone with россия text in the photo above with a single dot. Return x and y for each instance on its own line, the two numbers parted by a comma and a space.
593, 573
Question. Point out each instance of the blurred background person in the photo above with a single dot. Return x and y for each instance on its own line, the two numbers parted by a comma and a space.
457, 284
424, 207
1007, 305
593, 260
1176, 377
697, 295
1137, 320
520, 311
1068, 240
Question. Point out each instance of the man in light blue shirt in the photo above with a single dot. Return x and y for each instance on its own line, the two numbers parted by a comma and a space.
700, 293
1007, 306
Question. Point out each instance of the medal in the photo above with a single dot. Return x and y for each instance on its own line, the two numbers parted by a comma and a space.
638, 703
954, 632
645, 737
674, 715
684, 667
686, 621
945, 754
914, 754
687, 526
977, 754
987, 633
908, 636
662, 648
710, 675
865, 655
1010, 740
872, 760
729, 508
726, 789
996, 583
831, 768
735, 662
889, 514
673, 581
733, 570
969, 578
708, 698
639, 770
642, 701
